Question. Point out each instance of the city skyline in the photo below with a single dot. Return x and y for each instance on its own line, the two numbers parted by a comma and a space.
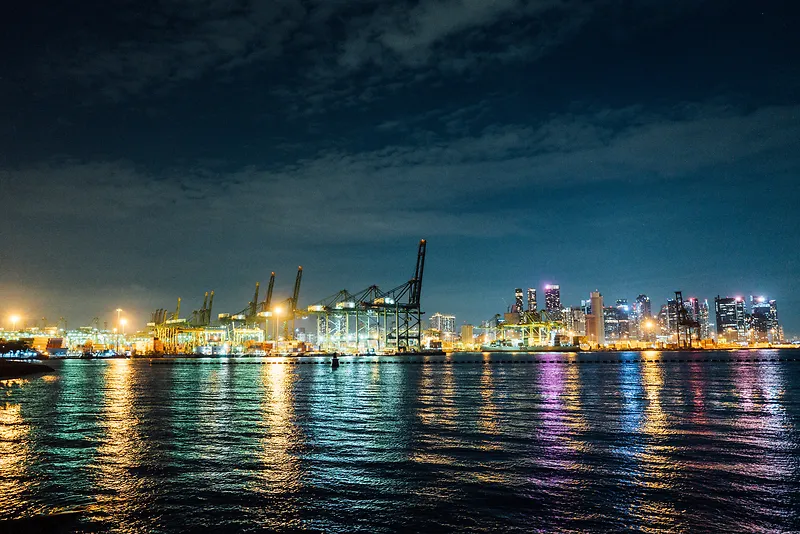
163, 152
433, 319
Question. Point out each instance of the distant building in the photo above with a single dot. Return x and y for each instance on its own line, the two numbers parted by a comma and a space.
595, 328
664, 321
624, 312
532, 305
443, 323
552, 297
467, 334
611, 323
671, 326
698, 311
574, 320
517, 307
617, 321
642, 308
730, 314
640, 318
764, 320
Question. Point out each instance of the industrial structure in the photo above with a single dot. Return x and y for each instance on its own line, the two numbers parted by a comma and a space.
371, 320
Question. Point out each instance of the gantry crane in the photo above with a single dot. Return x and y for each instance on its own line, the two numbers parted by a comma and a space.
292, 304
383, 320
264, 306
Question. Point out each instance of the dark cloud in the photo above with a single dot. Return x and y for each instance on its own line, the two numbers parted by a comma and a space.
406, 189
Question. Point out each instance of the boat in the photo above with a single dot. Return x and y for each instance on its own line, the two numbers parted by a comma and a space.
514, 345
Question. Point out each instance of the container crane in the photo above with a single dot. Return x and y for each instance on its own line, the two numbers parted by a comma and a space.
177, 314
252, 307
207, 319
292, 303
268, 297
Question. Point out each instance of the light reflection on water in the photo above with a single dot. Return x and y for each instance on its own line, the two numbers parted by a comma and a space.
653, 446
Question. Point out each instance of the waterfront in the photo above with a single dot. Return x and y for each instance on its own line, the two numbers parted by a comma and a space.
657, 445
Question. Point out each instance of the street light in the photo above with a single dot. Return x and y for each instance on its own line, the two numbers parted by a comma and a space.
14, 319
122, 323
118, 310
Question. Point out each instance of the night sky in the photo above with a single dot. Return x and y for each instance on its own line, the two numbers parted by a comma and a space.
150, 150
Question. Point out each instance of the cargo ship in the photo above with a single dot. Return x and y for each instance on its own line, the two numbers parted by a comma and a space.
507, 345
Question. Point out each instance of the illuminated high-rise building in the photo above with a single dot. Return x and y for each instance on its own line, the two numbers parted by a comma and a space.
698, 311
552, 297
663, 320
532, 306
517, 307
574, 320
641, 325
764, 320
623, 318
467, 334
595, 326
730, 318
642, 308
611, 323
671, 326
443, 323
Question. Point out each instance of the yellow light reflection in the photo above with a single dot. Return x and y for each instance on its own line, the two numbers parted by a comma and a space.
121, 448
437, 401
280, 437
487, 412
14, 456
658, 470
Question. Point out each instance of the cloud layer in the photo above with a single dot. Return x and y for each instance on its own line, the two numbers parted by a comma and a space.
407, 190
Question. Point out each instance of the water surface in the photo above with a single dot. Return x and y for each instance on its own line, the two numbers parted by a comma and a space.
452, 444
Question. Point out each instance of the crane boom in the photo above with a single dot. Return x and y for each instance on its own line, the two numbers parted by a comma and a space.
416, 295
268, 299
296, 293
208, 310
177, 310
253, 308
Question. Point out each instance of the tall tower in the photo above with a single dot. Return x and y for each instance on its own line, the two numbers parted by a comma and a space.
764, 320
532, 306
642, 307
517, 301
595, 326
730, 318
552, 297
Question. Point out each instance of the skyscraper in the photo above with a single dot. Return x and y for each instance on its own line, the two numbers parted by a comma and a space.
532, 306
730, 318
595, 329
552, 297
671, 326
611, 323
574, 320
517, 307
642, 308
623, 318
698, 311
641, 315
467, 334
443, 323
764, 319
